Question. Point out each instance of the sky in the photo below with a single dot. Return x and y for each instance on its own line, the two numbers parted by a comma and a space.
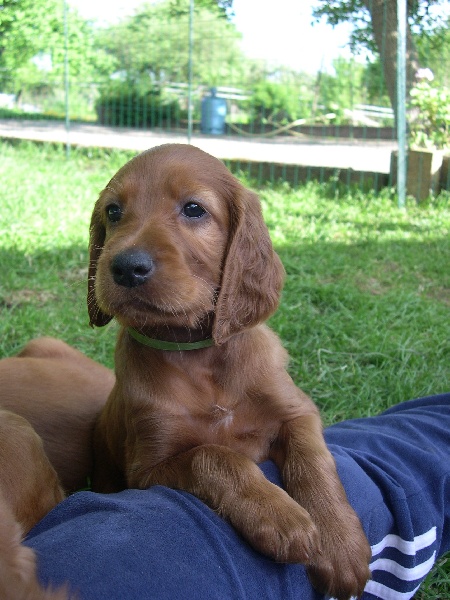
278, 31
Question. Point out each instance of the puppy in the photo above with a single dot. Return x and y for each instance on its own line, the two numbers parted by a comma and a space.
52, 389
60, 391
29, 489
181, 258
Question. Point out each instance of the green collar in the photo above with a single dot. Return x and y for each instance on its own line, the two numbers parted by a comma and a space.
161, 345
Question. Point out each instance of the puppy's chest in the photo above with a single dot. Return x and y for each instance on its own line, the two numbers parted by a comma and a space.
233, 418
221, 415
189, 407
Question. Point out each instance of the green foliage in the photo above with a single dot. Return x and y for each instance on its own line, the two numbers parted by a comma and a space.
340, 91
126, 105
357, 13
220, 7
288, 97
150, 50
430, 126
274, 103
32, 56
374, 84
352, 11
374, 28
27, 28
433, 47
153, 45
35, 30
87, 61
350, 83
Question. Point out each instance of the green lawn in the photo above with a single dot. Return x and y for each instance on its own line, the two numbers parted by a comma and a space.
365, 309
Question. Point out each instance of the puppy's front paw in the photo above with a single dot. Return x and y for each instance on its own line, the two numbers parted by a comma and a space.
342, 569
275, 525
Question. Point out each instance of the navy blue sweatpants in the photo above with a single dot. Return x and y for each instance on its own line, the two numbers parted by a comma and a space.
162, 544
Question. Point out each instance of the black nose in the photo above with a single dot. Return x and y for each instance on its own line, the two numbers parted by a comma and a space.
131, 268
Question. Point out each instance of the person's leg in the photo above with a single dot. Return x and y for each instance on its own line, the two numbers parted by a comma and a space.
165, 544
404, 455
153, 544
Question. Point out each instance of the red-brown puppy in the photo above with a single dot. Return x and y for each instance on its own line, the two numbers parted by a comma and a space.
55, 391
60, 391
29, 489
181, 257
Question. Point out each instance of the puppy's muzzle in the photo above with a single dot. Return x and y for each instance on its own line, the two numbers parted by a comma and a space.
132, 267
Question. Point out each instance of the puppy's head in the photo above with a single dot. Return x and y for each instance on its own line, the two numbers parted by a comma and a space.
177, 241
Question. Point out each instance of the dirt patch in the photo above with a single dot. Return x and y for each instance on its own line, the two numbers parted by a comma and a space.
26, 296
441, 294
373, 286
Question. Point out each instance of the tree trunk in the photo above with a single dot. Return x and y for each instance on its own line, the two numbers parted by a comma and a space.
384, 23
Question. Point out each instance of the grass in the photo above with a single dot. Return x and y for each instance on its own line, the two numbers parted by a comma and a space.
365, 309
366, 301
44, 234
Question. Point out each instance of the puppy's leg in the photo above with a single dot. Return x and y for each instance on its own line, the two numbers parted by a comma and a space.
17, 562
28, 482
235, 487
29, 488
18, 578
310, 477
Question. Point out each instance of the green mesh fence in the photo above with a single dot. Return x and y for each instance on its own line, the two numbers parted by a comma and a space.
159, 75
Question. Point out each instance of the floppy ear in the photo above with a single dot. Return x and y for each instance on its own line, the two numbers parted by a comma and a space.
96, 241
252, 275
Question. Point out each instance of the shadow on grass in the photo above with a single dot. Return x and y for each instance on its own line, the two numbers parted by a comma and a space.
366, 324
44, 294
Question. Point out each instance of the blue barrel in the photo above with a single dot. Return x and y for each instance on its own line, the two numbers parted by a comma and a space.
214, 111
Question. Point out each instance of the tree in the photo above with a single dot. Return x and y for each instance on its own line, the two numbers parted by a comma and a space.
434, 52
152, 45
30, 29
33, 50
375, 27
339, 92
151, 51
27, 27
224, 7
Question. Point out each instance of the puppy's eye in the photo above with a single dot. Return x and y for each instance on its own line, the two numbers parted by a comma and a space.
113, 213
192, 210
